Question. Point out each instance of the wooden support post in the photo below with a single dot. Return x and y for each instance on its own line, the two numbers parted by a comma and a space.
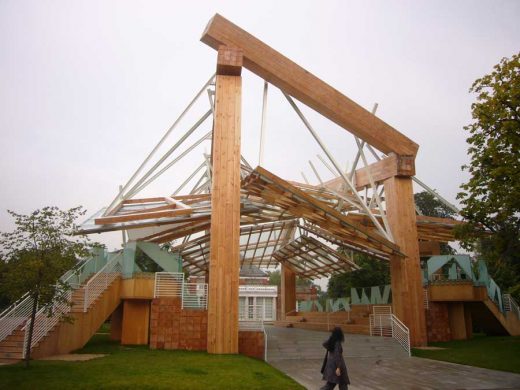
225, 206
116, 323
136, 317
407, 290
288, 284
457, 318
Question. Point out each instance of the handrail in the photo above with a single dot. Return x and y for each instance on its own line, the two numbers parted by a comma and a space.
15, 315
13, 305
390, 326
172, 284
19, 312
101, 280
44, 323
198, 300
253, 323
511, 305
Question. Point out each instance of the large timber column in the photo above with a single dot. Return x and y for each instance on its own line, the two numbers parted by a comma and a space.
225, 205
288, 284
407, 290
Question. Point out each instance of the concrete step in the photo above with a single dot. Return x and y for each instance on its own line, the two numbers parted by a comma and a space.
295, 343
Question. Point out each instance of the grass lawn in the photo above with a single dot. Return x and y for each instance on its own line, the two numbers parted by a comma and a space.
497, 353
141, 368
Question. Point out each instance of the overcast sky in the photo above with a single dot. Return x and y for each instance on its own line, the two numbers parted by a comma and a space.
87, 88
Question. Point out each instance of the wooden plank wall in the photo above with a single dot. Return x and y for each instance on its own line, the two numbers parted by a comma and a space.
225, 203
407, 290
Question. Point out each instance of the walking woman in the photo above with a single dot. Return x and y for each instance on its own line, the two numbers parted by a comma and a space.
334, 369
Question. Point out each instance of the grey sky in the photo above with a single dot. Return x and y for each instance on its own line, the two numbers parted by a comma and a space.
88, 87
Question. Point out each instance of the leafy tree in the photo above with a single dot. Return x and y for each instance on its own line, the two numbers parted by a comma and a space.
5, 301
36, 254
490, 197
275, 278
372, 272
146, 264
432, 207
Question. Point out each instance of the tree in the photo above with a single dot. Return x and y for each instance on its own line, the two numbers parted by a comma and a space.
372, 272
275, 278
429, 205
36, 254
490, 197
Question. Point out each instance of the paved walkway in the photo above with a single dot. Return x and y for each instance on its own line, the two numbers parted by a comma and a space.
375, 363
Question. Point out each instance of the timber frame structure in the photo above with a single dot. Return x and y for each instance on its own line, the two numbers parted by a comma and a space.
236, 215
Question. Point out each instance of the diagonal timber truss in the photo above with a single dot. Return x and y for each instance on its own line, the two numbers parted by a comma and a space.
298, 224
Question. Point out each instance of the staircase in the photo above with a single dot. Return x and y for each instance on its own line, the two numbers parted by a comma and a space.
94, 296
355, 321
288, 344
493, 321
11, 348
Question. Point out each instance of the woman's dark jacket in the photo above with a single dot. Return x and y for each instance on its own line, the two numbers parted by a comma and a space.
335, 360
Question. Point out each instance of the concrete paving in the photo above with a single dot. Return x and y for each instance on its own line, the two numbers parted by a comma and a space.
375, 363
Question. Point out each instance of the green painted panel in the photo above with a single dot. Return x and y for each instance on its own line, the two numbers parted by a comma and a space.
168, 261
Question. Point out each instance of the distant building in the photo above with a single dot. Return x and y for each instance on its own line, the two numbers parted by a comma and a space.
257, 299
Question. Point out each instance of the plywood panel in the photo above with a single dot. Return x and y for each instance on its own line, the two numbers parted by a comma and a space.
304, 86
225, 219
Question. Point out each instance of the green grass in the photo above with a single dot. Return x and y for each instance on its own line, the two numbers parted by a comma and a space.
497, 353
138, 367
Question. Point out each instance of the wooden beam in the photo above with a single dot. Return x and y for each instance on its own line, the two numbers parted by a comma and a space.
229, 61
142, 215
225, 218
393, 165
407, 290
280, 71
288, 287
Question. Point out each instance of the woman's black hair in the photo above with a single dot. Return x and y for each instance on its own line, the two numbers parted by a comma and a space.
335, 336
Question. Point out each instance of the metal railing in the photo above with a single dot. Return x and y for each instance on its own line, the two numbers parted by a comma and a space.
19, 312
251, 318
195, 296
426, 300
172, 284
511, 305
271, 291
44, 322
15, 315
388, 325
168, 284
93, 289
102, 279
